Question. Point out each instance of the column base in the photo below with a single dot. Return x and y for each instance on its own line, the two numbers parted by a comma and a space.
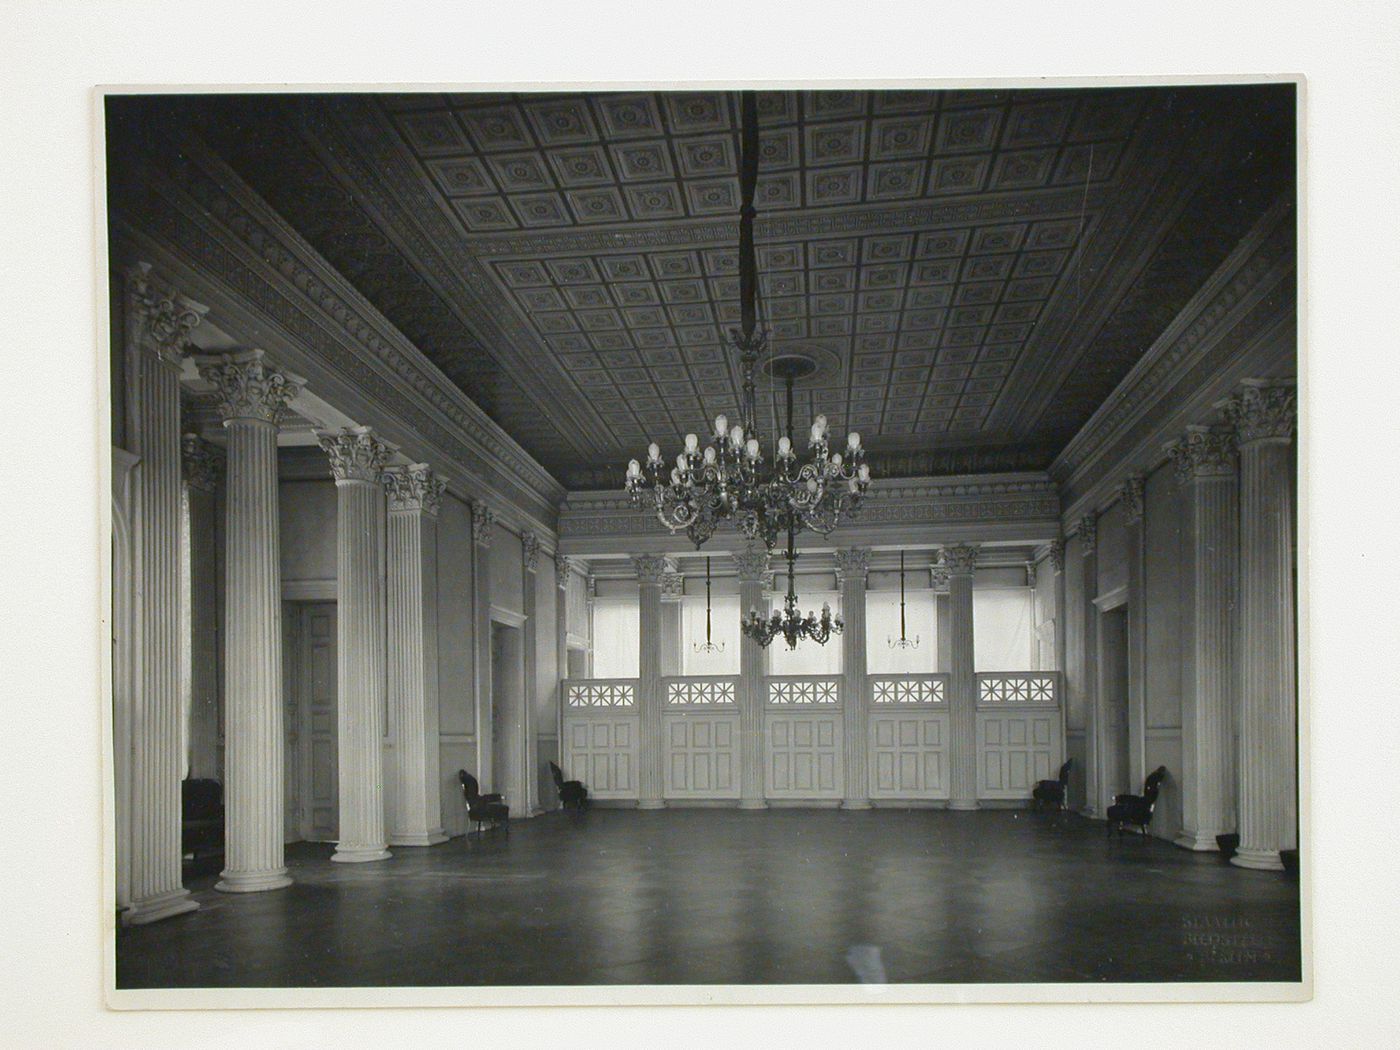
252, 881
753, 803
419, 838
856, 803
962, 805
651, 803
359, 854
161, 906
1257, 859
1198, 841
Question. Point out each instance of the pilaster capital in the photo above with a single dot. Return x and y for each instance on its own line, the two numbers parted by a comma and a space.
650, 567
1263, 411
563, 569
355, 454
165, 318
246, 387
202, 463
1030, 574
1202, 453
483, 523
672, 586
752, 563
530, 550
1131, 496
413, 488
960, 560
1087, 533
1057, 555
852, 565
938, 578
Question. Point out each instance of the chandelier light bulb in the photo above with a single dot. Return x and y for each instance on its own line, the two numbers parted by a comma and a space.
736, 437
853, 440
864, 472
634, 469
653, 453
751, 448
709, 455
721, 425
784, 447
836, 460
680, 461
691, 443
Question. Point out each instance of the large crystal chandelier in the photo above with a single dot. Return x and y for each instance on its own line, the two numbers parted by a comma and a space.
729, 478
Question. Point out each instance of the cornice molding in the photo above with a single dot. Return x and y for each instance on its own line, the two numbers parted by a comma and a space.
1245, 312
194, 212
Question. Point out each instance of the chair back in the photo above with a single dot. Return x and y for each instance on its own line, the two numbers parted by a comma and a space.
1153, 785
470, 788
1064, 772
557, 774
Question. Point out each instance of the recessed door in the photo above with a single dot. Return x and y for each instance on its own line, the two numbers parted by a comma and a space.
320, 775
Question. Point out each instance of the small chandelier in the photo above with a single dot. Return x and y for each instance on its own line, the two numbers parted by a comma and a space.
708, 645
903, 641
790, 623
729, 479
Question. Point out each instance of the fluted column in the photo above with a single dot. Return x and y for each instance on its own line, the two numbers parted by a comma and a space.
1205, 465
1263, 416
562, 571
1132, 496
650, 568
411, 573
254, 398
672, 591
1087, 532
158, 326
753, 577
357, 460
483, 530
203, 467
961, 563
942, 618
530, 559
851, 568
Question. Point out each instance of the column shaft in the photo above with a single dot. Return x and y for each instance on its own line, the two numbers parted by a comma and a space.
1133, 497
962, 680
530, 761
1089, 664
851, 567
943, 629
753, 565
649, 699
672, 591
483, 530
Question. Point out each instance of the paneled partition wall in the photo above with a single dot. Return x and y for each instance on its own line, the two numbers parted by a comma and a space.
1019, 740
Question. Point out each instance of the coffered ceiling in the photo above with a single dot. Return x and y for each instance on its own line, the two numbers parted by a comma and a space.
973, 270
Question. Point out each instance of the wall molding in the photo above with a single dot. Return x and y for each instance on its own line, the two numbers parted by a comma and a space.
1111, 600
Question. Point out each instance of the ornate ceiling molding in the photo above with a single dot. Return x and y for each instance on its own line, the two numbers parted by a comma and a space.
192, 211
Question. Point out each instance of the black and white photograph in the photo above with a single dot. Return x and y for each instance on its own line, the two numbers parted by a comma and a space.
672, 537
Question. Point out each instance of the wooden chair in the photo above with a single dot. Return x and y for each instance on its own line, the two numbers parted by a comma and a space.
1052, 792
483, 809
570, 791
1137, 809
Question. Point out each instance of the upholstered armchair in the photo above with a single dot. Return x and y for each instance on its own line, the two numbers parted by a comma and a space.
1052, 792
571, 792
483, 809
1137, 809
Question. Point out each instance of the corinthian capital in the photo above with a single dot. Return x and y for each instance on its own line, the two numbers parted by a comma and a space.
960, 560
562, 570
530, 550
852, 564
752, 563
483, 523
413, 487
1057, 556
1087, 533
651, 567
1263, 411
165, 319
672, 586
356, 454
202, 464
247, 388
938, 578
1203, 452
1131, 495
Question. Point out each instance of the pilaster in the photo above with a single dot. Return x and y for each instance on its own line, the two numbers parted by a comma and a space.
1086, 532
253, 398
961, 563
852, 566
754, 576
483, 530
672, 591
650, 569
415, 496
1132, 495
357, 460
529, 562
942, 617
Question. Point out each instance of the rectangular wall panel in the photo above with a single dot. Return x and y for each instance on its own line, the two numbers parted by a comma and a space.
600, 749
702, 755
1015, 749
803, 755
909, 755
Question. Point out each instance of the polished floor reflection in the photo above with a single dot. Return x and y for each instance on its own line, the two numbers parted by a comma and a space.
727, 897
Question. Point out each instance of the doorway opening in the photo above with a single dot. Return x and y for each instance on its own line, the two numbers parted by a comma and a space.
1115, 772
504, 760
312, 773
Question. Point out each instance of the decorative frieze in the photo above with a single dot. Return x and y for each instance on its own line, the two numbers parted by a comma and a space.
203, 464
1203, 452
852, 563
530, 550
1087, 533
1263, 411
483, 523
1131, 496
246, 387
960, 560
355, 454
413, 488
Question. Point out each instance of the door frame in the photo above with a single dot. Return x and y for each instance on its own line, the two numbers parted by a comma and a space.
1113, 601
296, 767
517, 793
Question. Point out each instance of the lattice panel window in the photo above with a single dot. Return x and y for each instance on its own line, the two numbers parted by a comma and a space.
907, 691
1016, 689
795, 691
702, 692
597, 694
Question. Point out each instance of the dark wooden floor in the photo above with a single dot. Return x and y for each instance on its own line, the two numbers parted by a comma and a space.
728, 897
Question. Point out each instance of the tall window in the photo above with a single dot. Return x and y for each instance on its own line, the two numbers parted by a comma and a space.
724, 618
808, 657
1002, 632
882, 624
616, 638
